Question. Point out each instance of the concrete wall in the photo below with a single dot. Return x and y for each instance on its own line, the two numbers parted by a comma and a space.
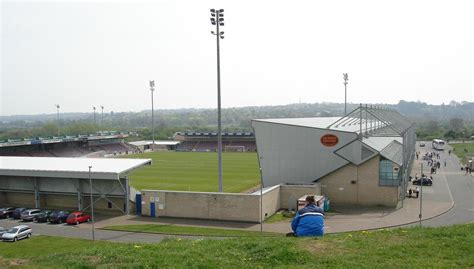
19, 199
221, 206
358, 185
202, 205
289, 194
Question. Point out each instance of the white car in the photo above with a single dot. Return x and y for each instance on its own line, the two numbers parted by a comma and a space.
16, 233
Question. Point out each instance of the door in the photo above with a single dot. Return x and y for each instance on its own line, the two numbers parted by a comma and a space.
152, 209
138, 204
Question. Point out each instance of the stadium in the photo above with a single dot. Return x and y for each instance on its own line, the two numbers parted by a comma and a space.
362, 158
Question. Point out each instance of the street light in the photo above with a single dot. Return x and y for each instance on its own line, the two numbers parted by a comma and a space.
102, 107
346, 78
92, 204
57, 111
152, 89
217, 19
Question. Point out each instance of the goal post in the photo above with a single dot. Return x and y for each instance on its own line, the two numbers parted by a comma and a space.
234, 148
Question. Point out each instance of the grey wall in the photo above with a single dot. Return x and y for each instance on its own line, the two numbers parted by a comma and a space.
294, 154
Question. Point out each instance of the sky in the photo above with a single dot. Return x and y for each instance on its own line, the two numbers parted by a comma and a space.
81, 54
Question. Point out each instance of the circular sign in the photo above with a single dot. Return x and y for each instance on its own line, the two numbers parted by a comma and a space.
329, 140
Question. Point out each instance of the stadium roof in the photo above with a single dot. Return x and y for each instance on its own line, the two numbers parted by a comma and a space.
77, 168
159, 143
368, 120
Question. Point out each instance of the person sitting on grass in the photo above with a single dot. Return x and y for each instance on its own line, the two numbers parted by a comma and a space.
309, 221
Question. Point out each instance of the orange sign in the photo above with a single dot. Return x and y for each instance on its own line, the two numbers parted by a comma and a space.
329, 140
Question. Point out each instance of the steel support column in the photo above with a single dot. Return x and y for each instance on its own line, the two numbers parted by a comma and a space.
127, 196
37, 194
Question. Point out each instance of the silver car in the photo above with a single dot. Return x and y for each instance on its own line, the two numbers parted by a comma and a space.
16, 233
30, 214
2, 230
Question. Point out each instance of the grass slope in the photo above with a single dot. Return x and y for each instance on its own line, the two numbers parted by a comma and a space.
463, 150
445, 247
196, 171
185, 230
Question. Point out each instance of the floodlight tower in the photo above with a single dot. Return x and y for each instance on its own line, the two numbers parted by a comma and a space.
94, 115
346, 78
102, 107
217, 19
152, 89
57, 112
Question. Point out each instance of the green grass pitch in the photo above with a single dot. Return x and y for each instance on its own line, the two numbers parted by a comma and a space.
196, 171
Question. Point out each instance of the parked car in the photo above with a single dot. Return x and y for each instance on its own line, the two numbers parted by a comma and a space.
2, 231
30, 214
78, 217
16, 214
6, 212
426, 181
58, 216
43, 216
16, 233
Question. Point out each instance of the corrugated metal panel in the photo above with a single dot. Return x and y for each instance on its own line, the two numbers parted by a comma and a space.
317, 122
393, 152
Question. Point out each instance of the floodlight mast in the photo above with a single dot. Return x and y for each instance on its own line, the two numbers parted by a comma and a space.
346, 78
102, 107
152, 89
217, 19
57, 112
94, 116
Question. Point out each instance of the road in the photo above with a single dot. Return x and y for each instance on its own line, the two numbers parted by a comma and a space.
462, 190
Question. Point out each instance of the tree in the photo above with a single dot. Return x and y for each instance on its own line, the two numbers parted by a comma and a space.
457, 124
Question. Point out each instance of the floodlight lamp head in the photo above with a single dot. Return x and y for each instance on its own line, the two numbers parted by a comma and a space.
221, 10
221, 24
152, 83
213, 14
221, 33
221, 15
102, 107
212, 32
221, 19
213, 10
222, 37
213, 20
213, 23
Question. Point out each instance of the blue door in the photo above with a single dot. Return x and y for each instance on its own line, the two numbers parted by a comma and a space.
138, 203
152, 209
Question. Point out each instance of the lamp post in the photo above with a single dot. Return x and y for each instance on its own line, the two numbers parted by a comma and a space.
346, 78
92, 204
94, 115
152, 89
57, 112
102, 127
217, 19
422, 180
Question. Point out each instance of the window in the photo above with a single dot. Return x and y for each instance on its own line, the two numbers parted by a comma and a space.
388, 173
109, 205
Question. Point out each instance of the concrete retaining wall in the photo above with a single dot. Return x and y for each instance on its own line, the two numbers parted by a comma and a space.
220, 206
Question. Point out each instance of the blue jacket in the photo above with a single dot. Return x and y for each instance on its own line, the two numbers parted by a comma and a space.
309, 221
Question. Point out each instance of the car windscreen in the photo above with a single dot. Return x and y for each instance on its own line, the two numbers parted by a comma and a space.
72, 216
12, 230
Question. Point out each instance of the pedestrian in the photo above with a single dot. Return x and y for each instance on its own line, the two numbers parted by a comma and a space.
444, 163
417, 192
410, 192
438, 164
449, 152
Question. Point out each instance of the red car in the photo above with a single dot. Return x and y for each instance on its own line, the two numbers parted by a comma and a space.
78, 217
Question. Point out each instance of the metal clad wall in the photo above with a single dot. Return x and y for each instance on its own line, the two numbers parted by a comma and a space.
294, 154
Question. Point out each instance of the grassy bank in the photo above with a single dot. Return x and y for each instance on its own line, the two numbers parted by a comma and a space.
462, 150
184, 230
447, 247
